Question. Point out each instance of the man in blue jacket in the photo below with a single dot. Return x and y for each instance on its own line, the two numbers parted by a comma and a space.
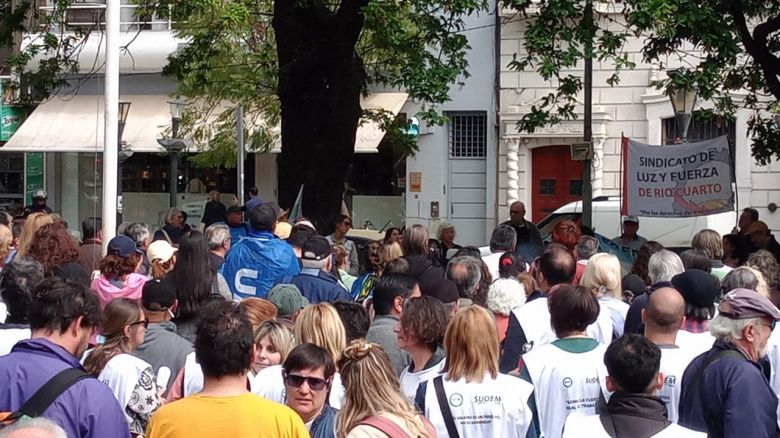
260, 260
62, 317
724, 391
315, 281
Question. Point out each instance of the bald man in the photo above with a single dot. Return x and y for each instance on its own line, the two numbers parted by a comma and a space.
529, 241
663, 316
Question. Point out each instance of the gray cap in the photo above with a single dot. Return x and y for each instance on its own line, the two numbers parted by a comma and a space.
287, 298
746, 304
39, 193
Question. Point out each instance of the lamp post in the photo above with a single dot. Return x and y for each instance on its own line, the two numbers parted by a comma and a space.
683, 98
174, 145
124, 110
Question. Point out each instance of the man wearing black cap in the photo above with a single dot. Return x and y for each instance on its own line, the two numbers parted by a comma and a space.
162, 347
258, 261
724, 391
315, 281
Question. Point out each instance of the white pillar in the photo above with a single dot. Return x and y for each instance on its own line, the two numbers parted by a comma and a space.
597, 167
110, 152
512, 171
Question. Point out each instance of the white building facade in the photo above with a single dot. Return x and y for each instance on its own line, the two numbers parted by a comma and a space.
537, 168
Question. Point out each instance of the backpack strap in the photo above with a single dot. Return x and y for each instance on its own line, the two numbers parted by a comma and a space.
444, 406
36, 405
386, 426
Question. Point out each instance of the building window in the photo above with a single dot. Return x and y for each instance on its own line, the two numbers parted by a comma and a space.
700, 130
467, 134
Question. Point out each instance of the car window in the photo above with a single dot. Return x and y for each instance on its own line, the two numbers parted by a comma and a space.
547, 224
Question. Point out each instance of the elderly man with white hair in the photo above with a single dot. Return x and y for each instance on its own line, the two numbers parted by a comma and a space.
38, 427
661, 268
724, 390
218, 237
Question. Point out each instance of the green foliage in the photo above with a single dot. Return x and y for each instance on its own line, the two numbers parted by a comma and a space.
230, 59
416, 46
729, 47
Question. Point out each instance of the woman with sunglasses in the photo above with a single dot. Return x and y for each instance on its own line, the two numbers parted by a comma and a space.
131, 379
318, 324
308, 375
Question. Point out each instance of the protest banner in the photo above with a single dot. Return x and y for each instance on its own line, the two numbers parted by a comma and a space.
684, 180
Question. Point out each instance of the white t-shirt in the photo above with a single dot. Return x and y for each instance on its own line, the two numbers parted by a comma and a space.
9, 338
565, 382
411, 381
617, 311
695, 343
773, 354
674, 361
493, 408
534, 318
193, 376
269, 384
491, 261
121, 374
579, 426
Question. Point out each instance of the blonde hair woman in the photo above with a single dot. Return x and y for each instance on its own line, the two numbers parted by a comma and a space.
602, 277
318, 324
471, 372
6, 238
33, 223
274, 342
374, 405
392, 251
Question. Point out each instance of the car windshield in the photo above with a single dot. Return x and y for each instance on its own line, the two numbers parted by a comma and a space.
547, 224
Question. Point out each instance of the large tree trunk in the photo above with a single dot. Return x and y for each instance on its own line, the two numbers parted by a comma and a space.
321, 78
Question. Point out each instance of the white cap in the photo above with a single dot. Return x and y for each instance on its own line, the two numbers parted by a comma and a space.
160, 250
630, 219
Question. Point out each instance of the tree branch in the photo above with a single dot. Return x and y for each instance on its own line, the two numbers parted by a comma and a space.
350, 19
762, 31
756, 48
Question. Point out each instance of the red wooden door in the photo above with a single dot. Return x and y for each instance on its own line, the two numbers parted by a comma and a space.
556, 179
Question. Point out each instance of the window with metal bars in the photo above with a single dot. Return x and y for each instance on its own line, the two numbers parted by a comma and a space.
699, 130
467, 134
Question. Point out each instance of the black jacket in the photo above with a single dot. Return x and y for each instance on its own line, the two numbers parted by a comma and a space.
634, 415
422, 270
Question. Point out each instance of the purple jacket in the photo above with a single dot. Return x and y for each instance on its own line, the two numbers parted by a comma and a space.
86, 409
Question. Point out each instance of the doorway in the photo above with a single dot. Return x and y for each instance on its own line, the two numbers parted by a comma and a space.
556, 179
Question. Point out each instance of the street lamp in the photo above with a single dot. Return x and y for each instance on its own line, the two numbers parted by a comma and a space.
683, 100
124, 110
174, 145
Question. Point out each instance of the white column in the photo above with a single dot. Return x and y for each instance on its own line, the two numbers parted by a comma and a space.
597, 166
110, 152
69, 190
512, 171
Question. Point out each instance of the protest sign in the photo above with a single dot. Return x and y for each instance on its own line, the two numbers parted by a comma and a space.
690, 179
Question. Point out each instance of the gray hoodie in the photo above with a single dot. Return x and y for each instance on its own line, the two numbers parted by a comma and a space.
162, 347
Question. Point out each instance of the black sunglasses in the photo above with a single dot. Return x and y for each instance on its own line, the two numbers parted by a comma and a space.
145, 322
295, 380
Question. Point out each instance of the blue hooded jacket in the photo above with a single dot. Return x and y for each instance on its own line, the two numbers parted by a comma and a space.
256, 263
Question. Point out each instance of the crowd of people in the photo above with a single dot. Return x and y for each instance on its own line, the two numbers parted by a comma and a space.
259, 327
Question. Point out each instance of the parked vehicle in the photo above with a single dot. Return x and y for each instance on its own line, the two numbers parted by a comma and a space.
672, 233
